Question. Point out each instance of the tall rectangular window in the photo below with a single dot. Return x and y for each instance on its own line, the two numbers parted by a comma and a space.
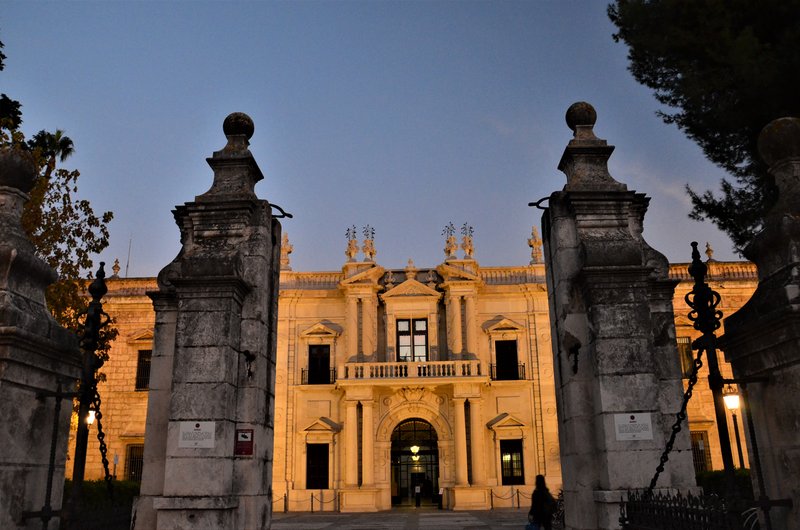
317, 466
319, 365
143, 369
412, 339
701, 453
507, 367
134, 461
511, 462
686, 356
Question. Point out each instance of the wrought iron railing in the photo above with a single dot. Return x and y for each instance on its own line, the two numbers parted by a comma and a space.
501, 373
408, 370
644, 510
318, 377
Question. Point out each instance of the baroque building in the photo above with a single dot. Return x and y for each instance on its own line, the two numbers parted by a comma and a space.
402, 385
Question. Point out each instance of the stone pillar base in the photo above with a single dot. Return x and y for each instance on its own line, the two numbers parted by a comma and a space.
200, 513
470, 498
359, 500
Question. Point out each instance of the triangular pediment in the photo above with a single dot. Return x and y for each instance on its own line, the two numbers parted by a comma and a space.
143, 334
321, 329
411, 288
369, 276
323, 424
501, 325
452, 273
505, 421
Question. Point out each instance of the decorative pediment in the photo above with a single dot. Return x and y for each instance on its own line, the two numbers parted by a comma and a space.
502, 325
321, 329
370, 276
143, 334
323, 425
505, 421
452, 273
411, 288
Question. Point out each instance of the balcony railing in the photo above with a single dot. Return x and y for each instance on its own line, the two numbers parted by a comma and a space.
507, 373
317, 377
409, 370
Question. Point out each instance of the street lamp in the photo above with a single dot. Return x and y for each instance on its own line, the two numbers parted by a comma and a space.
731, 397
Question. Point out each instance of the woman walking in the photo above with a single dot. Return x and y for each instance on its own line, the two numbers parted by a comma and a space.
543, 506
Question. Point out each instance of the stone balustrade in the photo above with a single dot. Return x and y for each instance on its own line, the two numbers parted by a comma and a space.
410, 370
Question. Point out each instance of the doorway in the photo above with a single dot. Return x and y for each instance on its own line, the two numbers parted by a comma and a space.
415, 463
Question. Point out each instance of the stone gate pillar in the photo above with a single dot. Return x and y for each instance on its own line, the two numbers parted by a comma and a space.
762, 339
618, 381
209, 437
35, 355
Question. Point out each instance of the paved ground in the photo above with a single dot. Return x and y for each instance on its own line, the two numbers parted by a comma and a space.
403, 519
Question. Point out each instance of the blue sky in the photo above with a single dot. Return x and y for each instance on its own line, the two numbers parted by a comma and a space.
401, 115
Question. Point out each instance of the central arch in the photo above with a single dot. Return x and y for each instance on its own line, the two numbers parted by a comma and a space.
415, 463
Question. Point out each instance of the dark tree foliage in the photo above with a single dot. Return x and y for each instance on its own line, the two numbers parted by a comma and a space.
727, 68
64, 230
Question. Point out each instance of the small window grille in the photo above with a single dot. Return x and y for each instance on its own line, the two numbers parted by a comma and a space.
701, 453
134, 461
143, 370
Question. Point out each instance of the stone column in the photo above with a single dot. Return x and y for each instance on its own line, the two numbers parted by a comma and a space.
35, 355
454, 324
368, 442
351, 326
471, 323
762, 339
351, 445
614, 353
477, 431
460, 435
369, 329
214, 355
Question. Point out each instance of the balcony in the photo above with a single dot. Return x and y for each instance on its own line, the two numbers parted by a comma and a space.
317, 377
409, 370
503, 372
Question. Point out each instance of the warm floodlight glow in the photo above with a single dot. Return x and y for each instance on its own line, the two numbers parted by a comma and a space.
415, 458
415, 449
731, 398
90, 417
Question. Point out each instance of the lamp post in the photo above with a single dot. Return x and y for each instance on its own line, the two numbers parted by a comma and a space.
731, 397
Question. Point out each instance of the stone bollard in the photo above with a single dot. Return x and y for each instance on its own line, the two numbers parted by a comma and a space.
37, 359
209, 431
762, 339
618, 380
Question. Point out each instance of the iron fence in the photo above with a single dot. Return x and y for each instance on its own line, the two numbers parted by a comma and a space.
644, 510
505, 374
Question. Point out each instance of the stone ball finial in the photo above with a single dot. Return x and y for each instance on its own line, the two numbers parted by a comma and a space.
581, 113
779, 140
238, 124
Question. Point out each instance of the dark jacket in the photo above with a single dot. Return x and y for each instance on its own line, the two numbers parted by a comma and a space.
543, 506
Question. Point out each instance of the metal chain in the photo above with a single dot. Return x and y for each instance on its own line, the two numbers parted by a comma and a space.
101, 437
679, 418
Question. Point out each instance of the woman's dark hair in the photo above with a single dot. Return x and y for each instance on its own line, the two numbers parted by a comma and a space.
540, 484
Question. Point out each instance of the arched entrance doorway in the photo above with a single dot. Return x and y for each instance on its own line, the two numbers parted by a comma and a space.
415, 462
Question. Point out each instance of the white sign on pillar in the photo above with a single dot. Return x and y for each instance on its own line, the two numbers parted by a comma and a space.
196, 434
633, 426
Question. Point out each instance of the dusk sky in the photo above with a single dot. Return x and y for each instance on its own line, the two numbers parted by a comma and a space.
401, 115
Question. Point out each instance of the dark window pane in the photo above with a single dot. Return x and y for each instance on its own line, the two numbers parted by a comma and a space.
143, 369
134, 460
511, 462
317, 466
701, 453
